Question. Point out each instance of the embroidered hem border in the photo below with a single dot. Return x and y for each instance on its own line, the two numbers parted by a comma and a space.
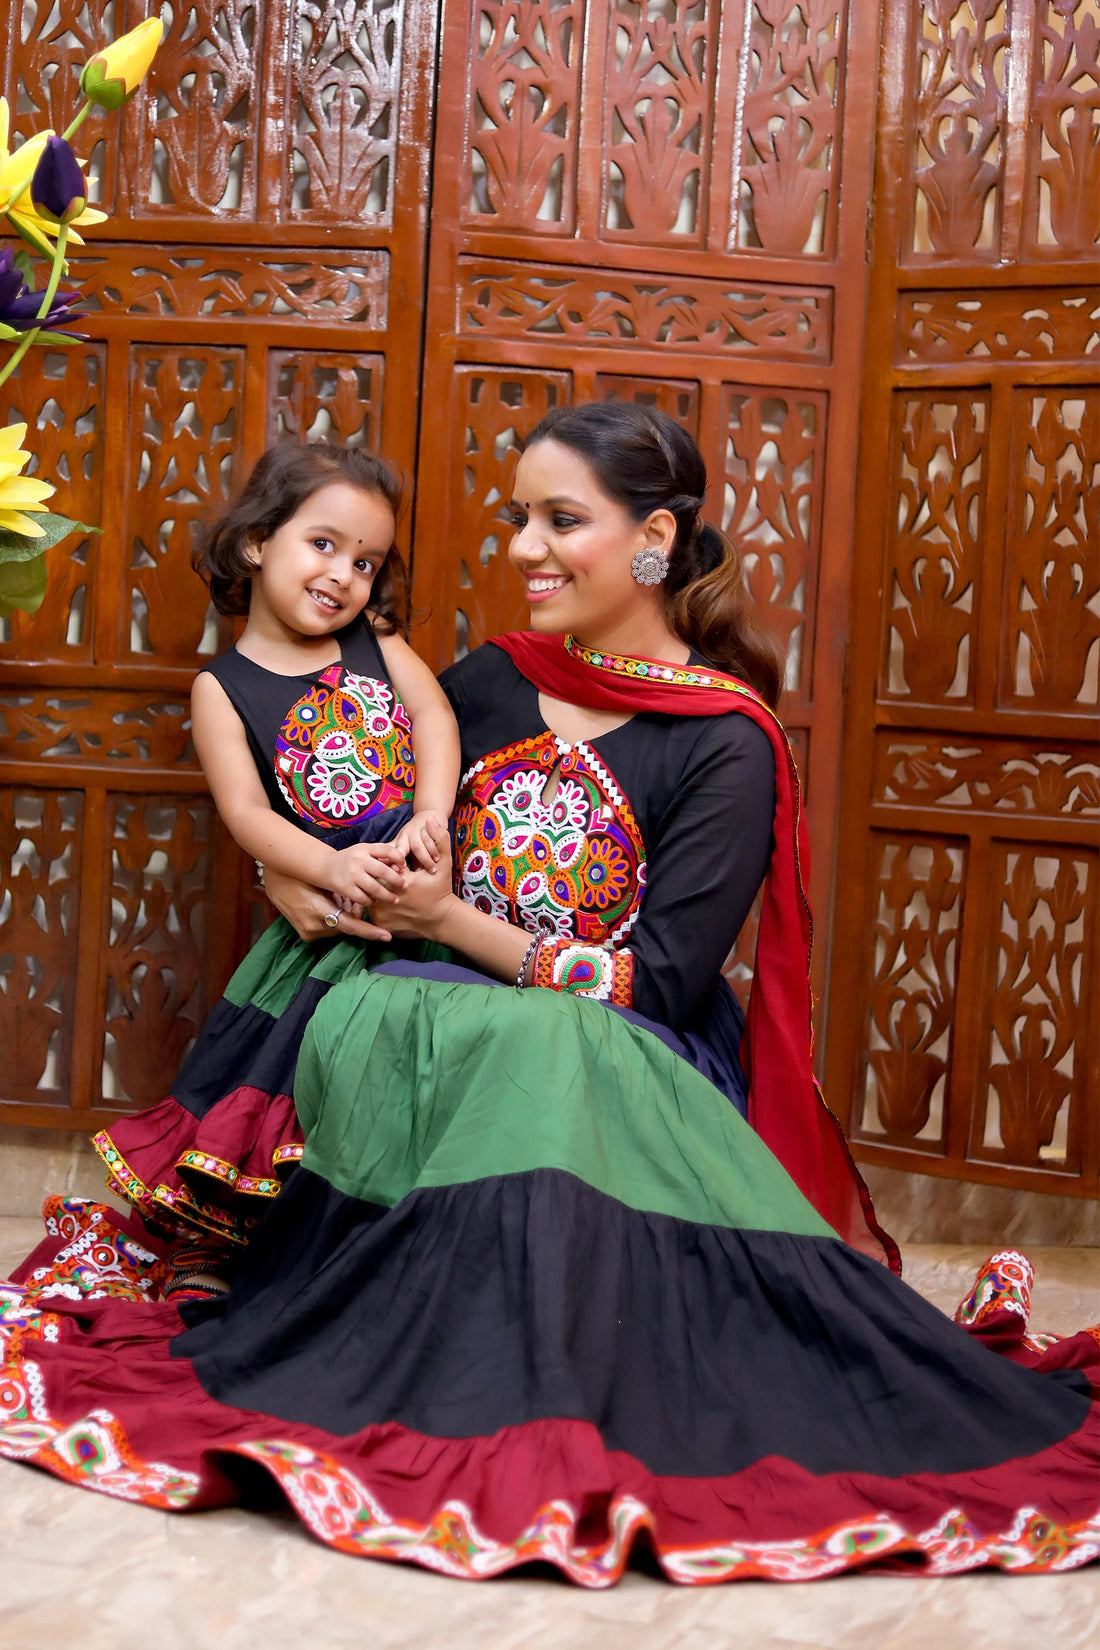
179, 1209
94, 1452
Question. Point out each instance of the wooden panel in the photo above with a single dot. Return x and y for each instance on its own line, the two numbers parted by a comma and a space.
971, 789
646, 201
268, 217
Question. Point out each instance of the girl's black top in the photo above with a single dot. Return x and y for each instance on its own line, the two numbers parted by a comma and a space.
701, 790
332, 747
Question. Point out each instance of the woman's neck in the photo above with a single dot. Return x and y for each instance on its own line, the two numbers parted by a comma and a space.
637, 639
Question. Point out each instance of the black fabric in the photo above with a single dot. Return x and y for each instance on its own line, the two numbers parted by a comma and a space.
703, 792
262, 699
246, 1047
698, 1350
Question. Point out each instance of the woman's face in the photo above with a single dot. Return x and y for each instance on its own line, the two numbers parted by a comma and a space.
573, 546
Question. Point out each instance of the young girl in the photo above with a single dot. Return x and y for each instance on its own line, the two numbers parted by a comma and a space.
328, 746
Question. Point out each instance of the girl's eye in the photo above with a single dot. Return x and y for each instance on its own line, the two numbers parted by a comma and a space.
322, 544
562, 522
364, 566
517, 518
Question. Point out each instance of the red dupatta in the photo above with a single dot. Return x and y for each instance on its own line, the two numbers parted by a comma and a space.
786, 1106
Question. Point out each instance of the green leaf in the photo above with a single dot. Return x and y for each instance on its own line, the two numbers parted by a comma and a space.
56, 338
8, 332
24, 263
22, 585
19, 547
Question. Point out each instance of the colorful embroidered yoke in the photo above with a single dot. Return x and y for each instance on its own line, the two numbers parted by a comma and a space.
639, 868
545, 839
333, 748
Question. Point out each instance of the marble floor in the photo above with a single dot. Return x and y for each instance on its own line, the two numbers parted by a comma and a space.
76, 1569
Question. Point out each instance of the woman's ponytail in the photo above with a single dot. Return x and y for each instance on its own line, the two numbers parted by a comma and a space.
710, 610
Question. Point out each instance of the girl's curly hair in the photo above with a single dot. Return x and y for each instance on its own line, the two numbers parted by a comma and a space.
282, 480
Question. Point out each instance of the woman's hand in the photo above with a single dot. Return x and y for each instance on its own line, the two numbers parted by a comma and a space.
419, 911
305, 908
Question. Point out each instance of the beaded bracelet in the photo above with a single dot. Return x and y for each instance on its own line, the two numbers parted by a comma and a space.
521, 977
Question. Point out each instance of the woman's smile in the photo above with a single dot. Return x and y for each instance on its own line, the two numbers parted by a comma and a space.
541, 586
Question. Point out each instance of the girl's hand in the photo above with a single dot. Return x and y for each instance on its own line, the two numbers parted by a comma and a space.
367, 871
420, 909
417, 838
305, 908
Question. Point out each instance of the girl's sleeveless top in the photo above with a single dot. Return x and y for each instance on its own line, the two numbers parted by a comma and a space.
333, 748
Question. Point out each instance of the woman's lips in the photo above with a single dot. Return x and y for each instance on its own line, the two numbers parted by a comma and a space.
541, 590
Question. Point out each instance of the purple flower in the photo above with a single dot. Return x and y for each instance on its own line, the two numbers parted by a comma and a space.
58, 190
19, 304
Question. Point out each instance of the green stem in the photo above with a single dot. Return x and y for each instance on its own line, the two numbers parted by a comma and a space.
17, 354
55, 273
78, 120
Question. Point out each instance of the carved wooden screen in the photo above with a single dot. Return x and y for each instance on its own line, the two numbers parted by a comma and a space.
262, 271
969, 948
661, 200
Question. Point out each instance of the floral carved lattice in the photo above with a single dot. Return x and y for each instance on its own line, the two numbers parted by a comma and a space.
344, 86
679, 398
74, 728
1051, 632
40, 837
772, 458
495, 409
995, 776
59, 397
161, 874
961, 49
786, 126
917, 896
1021, 324
524, 95
199, 152
200, 283
1062, 204
1034, 1076
321, 397
938, 474
185, 426
553, 303
56, 38
658, 118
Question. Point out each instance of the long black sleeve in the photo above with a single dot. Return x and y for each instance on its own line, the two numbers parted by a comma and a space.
707, 859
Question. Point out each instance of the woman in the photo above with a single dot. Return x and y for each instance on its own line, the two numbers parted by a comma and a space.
537, 1284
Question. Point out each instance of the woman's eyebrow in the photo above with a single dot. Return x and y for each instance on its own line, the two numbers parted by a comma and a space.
557, 499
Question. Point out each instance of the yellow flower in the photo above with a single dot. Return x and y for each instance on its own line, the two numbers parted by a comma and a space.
16, 171
112, 76
18, 492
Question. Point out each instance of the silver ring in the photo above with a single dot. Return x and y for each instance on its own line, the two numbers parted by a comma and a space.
332, 920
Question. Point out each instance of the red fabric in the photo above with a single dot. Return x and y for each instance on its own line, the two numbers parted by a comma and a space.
508, 1484
786, 1107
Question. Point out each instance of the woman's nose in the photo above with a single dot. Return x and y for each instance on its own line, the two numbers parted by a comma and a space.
527, 544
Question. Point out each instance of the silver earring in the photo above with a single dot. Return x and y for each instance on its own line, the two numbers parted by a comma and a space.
650, 566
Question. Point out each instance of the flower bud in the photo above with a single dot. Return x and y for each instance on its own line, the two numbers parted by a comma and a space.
112, 76
58, 190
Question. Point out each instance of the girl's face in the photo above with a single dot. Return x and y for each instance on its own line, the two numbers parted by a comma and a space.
573, 546
315, 572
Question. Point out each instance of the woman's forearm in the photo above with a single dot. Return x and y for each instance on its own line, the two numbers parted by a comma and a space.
495, 946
